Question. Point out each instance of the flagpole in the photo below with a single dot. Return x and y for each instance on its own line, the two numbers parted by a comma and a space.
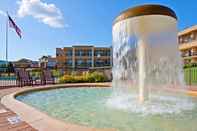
7, 39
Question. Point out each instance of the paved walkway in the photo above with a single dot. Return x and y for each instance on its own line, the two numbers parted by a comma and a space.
9, 121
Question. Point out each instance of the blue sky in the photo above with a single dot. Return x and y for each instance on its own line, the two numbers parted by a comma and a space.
47, 24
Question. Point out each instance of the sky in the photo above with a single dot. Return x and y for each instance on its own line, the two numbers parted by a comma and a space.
50, 24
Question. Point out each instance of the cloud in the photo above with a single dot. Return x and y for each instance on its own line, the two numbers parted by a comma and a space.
2, 13
46, 13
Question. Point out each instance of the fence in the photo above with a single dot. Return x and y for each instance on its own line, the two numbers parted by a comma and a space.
190, 75
9, 79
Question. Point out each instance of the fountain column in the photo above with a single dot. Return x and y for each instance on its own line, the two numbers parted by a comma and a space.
143, 91
153, 28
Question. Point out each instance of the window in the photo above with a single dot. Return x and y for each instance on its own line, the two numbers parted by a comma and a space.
89, 53
192, 35
107, 62
69, 62
79, 62
89, 63
180, 40
79, 53
99, 63
108, 53
69, 53
186, 40
98, 53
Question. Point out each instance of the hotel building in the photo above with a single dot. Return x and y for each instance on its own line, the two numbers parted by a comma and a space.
188, 44
47, 62
84, 57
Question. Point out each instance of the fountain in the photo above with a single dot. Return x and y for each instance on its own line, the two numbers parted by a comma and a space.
146, 51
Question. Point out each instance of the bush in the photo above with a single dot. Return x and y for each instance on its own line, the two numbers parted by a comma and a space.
66, 79
35, 74
56, 73
85, 77
96, 77
189, 65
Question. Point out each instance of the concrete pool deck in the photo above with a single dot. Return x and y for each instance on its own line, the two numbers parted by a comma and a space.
7, 122
40, 120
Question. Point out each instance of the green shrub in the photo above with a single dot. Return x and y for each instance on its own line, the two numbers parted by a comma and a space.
66, 79
96, 77
56, 73
189, 65
35, 74
85, 77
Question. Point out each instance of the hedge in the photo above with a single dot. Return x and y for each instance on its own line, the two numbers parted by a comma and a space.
85, 77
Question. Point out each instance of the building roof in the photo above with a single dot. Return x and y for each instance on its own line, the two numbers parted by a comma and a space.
187, 30
24, 60
2, 62
82, 46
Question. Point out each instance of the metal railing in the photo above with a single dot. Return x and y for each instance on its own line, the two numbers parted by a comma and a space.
7, 80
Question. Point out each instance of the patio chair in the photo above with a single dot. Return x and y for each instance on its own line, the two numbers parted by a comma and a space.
23, 78
47, 77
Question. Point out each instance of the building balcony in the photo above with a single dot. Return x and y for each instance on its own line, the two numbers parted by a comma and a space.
102, 57
83, 57
194, 53
83, 66
187, 56
189, 45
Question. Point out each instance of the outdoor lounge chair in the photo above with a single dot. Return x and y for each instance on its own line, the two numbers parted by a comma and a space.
47, 77
23, 78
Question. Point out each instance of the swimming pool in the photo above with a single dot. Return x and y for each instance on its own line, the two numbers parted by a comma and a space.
97, 107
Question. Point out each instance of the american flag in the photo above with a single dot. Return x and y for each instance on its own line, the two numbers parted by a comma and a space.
14, 26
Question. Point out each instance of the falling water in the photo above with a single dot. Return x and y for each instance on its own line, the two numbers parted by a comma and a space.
146, 55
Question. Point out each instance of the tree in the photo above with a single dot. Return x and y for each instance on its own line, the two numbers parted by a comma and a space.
10, 68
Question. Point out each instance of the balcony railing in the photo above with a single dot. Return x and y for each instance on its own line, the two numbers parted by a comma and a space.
189, 54
185, 55
194, 54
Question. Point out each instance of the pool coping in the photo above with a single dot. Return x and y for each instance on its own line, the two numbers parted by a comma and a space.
40, 120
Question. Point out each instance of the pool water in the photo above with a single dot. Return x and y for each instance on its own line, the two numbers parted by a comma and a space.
97, 107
